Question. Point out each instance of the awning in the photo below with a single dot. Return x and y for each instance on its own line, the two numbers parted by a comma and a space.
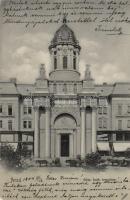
103, 146
121, 146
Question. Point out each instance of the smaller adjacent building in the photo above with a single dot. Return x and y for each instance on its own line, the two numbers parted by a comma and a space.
64, 116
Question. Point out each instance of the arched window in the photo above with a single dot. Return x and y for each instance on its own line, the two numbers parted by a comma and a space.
55, 63
74, 63
65, 62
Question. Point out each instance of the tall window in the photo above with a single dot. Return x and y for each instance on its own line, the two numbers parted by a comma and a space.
25, 110
0, 108
29, 124
65, 62
9, 109
119, 124
100, 110
128, 108
24, 124
74, 63
119, 109
100, 123
29, 110
128, 124
10, 125
0, 123
105, 123
104, 110
55, 63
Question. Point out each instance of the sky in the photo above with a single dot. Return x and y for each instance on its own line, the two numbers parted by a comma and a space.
22, 50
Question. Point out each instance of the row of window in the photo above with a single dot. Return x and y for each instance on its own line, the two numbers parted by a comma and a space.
26, 110
120, 124
26, 124
10, 124
64, 88
102, 110
102, 123
10, 110
120, 110
64, 62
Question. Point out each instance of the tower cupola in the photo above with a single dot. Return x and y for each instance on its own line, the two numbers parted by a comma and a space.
64, 50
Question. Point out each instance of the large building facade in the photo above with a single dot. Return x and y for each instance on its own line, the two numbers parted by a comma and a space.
64, 116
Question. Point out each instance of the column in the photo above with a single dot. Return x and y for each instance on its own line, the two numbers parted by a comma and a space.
83, 126
48, 134
58, 138
94, 132
36, 132
71, 145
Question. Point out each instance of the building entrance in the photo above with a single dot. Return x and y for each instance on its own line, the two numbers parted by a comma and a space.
65, 145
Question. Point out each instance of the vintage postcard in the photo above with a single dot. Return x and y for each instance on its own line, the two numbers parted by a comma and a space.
65, 99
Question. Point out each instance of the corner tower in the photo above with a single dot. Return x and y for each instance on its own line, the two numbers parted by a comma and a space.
64, 50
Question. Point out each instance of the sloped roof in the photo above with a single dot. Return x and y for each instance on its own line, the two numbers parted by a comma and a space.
121, 88
8, 88
25, 89
104, 89
64, 35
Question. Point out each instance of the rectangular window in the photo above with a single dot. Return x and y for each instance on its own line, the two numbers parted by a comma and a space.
104, 110
128, 108
29, 110
25, 111
74, 63
29, 124
24, 124
65, 62
9, 109
104, 123
119, 109
0, 123
100, 122
10, 125
119, 124
0, 108
55, 63
128, 124
100, 110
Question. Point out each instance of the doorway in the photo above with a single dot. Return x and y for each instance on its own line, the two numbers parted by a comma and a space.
65, 145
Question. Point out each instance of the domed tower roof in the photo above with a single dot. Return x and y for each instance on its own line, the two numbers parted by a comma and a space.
64, 36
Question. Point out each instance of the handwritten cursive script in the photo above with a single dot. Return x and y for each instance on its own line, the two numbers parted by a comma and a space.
108, 16
67, 187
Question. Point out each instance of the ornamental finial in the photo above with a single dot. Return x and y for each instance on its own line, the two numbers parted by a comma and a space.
64, 18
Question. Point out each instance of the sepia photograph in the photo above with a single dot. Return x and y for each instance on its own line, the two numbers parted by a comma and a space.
65, 99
